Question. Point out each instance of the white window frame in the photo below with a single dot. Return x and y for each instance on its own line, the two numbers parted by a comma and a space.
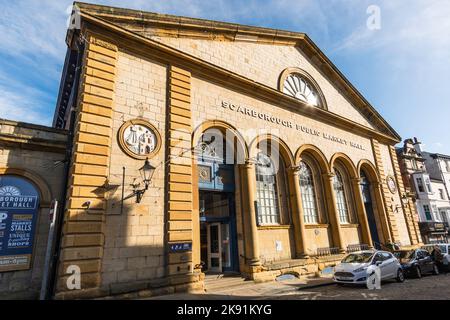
308, 194
420, 183
342, 205
267, 195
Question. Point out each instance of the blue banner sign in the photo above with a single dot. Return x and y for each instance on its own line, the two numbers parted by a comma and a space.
19, 203
181, 247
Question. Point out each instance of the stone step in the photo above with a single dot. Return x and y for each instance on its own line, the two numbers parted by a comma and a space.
223, 283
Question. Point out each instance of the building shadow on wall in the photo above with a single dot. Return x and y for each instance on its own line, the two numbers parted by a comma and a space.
134, 256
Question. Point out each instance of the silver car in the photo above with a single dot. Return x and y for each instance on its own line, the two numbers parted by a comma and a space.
356, 267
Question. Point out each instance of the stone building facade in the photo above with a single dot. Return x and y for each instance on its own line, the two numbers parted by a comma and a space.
202, 146
427, 176
29, 154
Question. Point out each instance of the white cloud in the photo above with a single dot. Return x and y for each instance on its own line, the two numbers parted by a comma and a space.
33, 29
22, 107
405, 28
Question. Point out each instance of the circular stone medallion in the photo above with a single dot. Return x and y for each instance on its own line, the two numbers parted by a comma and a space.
139, 139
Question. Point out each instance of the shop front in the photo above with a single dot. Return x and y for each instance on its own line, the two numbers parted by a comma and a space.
434, 232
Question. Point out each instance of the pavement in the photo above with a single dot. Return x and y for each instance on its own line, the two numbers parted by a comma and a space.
254, 291
429, 287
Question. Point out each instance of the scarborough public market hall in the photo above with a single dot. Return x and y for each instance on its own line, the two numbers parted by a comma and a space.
182, 147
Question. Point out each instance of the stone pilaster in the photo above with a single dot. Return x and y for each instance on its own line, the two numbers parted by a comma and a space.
82, 236
249, 214
179, 171
297, 213
387, 196
333, 214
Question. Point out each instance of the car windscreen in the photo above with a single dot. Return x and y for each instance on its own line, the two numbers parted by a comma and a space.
405, 255
358, 257
443, 249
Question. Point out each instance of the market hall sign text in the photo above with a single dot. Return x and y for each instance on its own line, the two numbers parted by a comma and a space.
289, 124
19, 206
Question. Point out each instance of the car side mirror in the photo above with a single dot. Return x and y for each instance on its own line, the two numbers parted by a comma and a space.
378, 263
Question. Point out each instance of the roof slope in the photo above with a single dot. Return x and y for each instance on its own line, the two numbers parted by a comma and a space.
148, 24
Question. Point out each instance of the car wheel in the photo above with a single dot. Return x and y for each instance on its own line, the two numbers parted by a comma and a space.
435, 269
418, 273
400, 276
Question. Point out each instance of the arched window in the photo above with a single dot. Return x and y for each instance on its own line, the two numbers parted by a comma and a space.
341, 199
308, 194
298, 87
268, 209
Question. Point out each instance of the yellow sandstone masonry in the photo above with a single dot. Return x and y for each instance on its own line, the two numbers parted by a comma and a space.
180, 178
83, 231
392, 223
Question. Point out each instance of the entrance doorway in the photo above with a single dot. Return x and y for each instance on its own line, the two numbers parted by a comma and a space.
218, 232
368, 205
216, 183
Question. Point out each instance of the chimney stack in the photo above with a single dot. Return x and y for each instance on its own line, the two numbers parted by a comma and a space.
417, 145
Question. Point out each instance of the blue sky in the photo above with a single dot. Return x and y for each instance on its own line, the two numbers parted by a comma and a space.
403, 69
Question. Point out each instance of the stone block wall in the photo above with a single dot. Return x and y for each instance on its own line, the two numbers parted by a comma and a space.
134, 233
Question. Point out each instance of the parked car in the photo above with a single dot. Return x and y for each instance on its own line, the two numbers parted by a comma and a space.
416, 262
445, 250
353, 269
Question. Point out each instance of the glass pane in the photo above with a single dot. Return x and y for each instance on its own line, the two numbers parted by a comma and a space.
308, 194
215, 262
365, 188
341, 200
266, 191
214, 238
214, 204
226, 252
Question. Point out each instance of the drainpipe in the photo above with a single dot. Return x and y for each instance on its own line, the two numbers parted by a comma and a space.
50, 290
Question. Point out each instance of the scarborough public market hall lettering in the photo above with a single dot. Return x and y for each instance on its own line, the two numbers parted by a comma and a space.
289, 124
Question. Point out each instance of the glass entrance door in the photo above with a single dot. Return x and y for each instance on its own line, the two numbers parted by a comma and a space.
214, 247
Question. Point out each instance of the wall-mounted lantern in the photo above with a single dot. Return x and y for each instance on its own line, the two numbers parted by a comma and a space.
146, 172
405, 198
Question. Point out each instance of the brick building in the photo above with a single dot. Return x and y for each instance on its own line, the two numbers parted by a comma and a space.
202, 146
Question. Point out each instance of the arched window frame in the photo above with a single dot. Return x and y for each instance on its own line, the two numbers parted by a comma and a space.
268, 199
309, 195
322, 103
341, 197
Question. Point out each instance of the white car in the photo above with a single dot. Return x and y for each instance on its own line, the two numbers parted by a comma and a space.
356, 267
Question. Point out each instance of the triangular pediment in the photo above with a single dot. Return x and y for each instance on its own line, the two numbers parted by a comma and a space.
198, 36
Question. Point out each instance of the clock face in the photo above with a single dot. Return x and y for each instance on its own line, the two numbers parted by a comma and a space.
139, 139
391, 184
